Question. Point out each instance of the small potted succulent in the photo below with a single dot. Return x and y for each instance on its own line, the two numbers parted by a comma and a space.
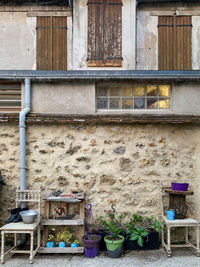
63, 238
50, 241
75, 244
114, 241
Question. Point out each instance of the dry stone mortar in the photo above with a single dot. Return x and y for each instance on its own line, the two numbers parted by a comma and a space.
121, 164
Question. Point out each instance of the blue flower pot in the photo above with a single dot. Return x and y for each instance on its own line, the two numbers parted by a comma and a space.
74, 245
171, 215
50, 244
61, 244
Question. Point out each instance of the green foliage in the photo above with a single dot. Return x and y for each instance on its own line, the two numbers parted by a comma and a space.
139, 227
51, 238
113, 225
64, 236
138, 234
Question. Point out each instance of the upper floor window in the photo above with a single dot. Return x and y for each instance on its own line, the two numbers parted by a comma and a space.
174, 43
133, 96
104, 33
51, 43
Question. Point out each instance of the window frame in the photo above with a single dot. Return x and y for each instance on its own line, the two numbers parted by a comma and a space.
145, 97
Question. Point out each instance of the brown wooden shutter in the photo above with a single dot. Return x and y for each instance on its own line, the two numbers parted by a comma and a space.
59, 43
44, 43
51, 43
165, 43
174, 43
95, 33
113, 33
182, 43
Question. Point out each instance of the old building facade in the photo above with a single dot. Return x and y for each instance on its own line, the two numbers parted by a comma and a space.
114, 99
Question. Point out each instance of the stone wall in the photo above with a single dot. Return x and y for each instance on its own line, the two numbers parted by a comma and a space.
121, 164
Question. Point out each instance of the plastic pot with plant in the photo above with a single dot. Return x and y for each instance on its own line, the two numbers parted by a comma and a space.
114, 241
50, 241
75, 244
143, 233
63, 238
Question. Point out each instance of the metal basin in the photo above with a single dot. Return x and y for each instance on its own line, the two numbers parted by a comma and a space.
28, 216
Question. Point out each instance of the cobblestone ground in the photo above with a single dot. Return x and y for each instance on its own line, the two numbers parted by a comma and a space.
157, 258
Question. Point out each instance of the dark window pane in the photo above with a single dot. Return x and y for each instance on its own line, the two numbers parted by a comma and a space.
115, 91
152, 103
102, 91
102, 103
127, 103
114, 103
139, 103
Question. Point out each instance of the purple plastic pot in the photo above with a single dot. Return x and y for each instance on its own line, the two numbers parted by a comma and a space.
91, 246
180, 186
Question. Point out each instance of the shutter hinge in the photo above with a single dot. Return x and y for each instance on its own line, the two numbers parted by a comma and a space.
42, 27
184, 25
115, 4
165, 25
121, 58
64, 27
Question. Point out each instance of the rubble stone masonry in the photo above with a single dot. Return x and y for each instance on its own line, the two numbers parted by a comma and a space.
120, 164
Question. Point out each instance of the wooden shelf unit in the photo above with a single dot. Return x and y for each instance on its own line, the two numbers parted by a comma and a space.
47, 221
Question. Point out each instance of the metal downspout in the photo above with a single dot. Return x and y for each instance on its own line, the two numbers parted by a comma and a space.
22, 133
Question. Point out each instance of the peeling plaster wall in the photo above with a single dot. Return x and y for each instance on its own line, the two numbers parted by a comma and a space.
17, 41
121, 164
80, 35
147, 41
196, 42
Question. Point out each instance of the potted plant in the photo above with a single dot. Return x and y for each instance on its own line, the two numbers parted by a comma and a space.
75, 244
63, 238
50, 242
143, 233
114, 241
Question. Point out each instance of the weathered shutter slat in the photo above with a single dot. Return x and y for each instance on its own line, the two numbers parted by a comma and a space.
10, 97
59, 43
113, 34
182, 43
44, 43
95, 33
165, 43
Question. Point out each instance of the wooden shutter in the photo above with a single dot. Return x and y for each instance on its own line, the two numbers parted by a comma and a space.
113, 33
44, 43
182, 43
59, 43
51, 43
174, 43
10, 97
104, 33
165, 43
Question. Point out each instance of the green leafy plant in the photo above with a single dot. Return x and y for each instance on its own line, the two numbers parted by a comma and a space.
51, 238
64, 236
113, 225
152, 224
138, 234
